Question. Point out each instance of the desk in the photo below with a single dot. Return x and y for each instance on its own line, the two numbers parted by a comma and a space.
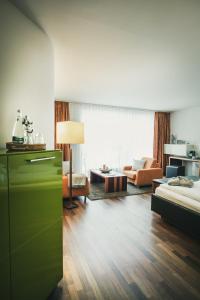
192, 166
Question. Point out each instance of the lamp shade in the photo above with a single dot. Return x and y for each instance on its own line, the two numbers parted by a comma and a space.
70, 132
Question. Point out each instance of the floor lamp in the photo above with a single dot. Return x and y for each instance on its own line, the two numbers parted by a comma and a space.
70, 132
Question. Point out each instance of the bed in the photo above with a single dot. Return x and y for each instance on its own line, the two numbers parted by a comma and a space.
179, 206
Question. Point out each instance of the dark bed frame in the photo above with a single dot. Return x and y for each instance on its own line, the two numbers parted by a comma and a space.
177, 215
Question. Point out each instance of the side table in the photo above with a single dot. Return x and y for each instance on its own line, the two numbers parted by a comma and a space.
157, 182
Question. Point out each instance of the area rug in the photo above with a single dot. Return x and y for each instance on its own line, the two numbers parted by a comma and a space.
97, 191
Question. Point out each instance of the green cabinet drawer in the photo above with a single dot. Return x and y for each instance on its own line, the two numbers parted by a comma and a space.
4, 229
35, 200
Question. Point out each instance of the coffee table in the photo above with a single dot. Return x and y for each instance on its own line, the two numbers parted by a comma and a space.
113, 181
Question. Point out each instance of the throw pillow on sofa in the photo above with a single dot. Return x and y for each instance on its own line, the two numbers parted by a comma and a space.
138, 164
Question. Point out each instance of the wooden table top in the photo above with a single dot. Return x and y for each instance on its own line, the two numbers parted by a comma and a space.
110, 174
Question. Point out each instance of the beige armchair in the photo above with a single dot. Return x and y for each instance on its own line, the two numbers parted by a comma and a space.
144, 176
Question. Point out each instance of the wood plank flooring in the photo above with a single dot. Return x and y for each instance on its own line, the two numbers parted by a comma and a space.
119, 249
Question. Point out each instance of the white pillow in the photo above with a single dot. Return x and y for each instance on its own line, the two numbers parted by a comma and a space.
138, 164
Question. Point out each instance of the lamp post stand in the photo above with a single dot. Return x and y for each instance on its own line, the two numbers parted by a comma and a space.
70, 204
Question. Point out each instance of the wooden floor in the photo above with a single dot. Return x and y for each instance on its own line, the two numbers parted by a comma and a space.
119, 249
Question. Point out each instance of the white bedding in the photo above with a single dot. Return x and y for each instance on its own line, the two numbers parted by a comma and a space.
193, 193
187, 197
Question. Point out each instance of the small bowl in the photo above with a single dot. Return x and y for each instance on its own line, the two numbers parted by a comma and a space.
105, 170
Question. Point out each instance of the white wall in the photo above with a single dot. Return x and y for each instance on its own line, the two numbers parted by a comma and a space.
134, 53
26, 74
186, 125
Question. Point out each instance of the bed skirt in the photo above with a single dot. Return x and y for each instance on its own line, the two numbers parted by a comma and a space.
177, 215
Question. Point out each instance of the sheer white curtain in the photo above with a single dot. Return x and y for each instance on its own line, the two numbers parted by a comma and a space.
113, 136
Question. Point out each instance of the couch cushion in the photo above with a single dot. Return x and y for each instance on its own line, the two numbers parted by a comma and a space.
130, 174
149, 163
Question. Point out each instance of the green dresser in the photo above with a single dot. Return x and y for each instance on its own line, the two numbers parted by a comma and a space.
35, 223
4, 229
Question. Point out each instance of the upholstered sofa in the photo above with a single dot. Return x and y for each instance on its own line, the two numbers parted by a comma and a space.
144, 176
83, 191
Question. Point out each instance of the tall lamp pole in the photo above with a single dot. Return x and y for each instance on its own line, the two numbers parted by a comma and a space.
70, 132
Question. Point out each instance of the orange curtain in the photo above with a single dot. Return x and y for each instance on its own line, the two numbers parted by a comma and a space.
161, 137
61, 113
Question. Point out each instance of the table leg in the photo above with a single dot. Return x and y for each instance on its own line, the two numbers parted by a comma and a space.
106, 185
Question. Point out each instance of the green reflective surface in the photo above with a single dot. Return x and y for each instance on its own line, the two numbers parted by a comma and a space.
35, 200
4, 229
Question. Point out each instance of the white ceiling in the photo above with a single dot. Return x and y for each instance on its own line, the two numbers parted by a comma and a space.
135, 53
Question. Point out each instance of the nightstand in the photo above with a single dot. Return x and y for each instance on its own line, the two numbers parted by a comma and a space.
157, 182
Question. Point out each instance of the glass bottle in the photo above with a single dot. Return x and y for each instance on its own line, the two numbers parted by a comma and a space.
18, 129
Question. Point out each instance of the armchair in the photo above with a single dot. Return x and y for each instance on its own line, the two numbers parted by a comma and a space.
82, 191
144, 176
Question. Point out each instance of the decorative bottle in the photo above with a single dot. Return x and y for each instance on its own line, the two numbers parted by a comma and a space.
18, 129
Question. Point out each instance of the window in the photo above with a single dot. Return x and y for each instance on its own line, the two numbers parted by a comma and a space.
113, 136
